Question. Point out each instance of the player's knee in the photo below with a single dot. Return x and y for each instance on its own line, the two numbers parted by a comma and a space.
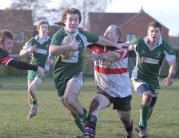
69, 100
30, 89
146, 98
126, 119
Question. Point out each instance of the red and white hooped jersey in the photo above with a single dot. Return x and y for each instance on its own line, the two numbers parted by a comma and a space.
115, 79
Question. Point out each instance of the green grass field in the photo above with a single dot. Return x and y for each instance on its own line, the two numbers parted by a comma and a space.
53, 120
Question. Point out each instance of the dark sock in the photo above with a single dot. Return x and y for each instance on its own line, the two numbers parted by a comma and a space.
79, 125
82, 117
90, 130
90, 125
34, 102
144, 115
129, 130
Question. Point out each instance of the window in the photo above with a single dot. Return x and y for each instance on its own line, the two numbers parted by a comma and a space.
18, 36
130, 37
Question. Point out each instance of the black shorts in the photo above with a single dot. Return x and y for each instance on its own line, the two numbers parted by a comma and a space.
121, 104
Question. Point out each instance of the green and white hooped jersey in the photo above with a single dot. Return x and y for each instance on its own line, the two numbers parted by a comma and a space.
149, 61
65, 69
39, 58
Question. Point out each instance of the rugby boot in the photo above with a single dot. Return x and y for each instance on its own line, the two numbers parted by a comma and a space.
33, 111
142, 131
127, 135
84, 136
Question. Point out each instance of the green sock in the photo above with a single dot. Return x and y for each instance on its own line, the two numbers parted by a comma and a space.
79, 125
144, 115
34, 102
82, 117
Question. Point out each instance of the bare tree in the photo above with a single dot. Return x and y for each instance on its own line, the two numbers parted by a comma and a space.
39, 8
85, 6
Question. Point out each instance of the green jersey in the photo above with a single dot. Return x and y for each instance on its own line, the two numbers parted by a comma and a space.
39, 58
149, 61
64, 69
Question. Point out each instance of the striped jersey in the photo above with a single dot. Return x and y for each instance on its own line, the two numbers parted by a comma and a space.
113, 79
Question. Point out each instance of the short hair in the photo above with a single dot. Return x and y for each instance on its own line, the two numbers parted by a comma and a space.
43, 22
5, 34
64, 16
155, 24
117, 30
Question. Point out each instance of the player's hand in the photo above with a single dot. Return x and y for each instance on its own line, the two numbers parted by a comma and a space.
168, 81
41, 72
74, 45
33, 49
93, 57
50, 61
120, 45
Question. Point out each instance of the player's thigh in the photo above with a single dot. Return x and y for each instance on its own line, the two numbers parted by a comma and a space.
35, 83
141, 88
74, 86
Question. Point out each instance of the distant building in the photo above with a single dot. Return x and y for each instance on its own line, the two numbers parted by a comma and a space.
132, 24
20, 23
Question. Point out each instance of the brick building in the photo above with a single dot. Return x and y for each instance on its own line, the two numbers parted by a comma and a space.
132, 24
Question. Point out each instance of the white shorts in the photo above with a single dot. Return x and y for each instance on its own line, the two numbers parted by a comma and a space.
76, 78
137, 84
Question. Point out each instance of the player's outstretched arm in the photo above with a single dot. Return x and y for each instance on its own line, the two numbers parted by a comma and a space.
106, 42
26, 66
112, 56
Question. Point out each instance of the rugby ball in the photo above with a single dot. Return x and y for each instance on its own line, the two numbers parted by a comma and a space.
66, 41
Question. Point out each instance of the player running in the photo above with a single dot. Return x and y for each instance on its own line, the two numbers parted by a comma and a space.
151, 52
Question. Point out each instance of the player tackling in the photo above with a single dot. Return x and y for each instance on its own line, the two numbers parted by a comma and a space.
67, 73
113, 83
6, 45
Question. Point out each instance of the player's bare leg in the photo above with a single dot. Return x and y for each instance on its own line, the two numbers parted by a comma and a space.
71, 100
74, 116
99, 102
127, 123
28, 94
32, 91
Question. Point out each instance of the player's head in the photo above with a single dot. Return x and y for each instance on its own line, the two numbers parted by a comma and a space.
113, 33
154, 31
6, 41
43, 27
70, 19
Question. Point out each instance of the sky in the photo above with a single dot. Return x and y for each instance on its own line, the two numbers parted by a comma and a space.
164, 11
